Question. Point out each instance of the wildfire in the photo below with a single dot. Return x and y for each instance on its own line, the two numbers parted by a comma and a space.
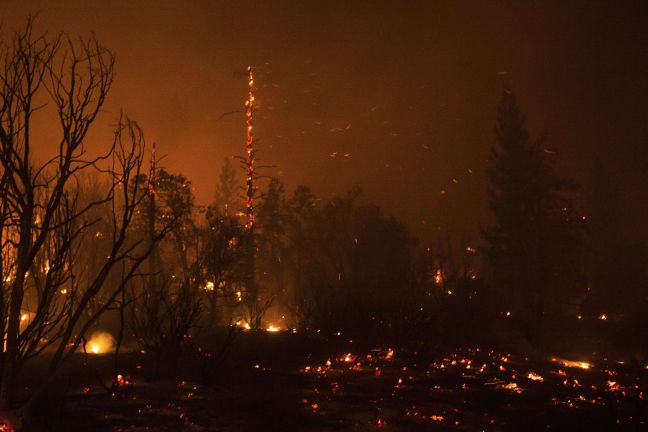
273, 328
100, 343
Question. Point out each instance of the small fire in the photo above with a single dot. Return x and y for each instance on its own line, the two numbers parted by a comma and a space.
603, 317
390, 354
121, 380
438, 276
572, 364
535, 377
347, 358
273, 328
243, 324
101, 343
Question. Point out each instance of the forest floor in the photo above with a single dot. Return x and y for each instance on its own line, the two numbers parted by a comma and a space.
287, 382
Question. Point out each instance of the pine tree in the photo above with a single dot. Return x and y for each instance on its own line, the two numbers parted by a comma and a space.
532, 246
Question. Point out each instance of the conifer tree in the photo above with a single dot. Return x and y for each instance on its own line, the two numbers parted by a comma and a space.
534, 241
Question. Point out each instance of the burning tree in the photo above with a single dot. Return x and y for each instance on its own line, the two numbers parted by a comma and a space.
44, 216
221, 267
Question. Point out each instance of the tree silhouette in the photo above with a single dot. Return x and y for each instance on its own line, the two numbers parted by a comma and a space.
533, 244
226, 197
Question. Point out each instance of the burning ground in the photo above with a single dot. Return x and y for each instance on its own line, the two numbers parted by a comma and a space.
287, 381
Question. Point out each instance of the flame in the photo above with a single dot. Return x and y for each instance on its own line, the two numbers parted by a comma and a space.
273, 328
390, 354
5, 426
572, 364
438, 276
243, 324
122, 380
101, 343
535, 377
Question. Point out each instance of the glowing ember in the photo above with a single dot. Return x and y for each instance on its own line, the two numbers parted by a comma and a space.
572, 364
603, 317
347, 358
101, 343
535, 377
6, 427
122, 380
513, 387
438, 277
390, 354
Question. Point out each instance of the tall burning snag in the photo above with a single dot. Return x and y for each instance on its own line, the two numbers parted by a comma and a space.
252, 289
250, 154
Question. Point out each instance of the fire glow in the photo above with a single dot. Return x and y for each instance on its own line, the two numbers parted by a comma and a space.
100, 343
572, 364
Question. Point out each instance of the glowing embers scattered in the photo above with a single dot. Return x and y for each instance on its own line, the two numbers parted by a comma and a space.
402, 388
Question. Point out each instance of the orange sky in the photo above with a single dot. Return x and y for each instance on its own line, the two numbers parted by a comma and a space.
407, 89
